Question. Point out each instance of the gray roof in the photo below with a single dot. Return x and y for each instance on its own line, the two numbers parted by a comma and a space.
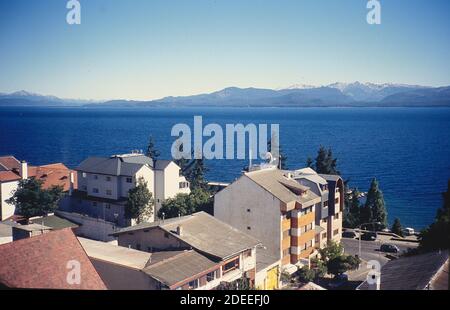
54, 222
117, 166
411, 273
32, 227
161, 164
180, 267
278, 184
330, 177
265, 259
204, 233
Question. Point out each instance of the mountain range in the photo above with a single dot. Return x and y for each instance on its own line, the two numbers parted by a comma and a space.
334, 95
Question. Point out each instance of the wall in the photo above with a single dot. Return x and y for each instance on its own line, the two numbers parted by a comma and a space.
117, 277
155, 239
264, 218
6, 190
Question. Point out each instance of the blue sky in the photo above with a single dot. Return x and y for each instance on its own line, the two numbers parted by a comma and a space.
144, 49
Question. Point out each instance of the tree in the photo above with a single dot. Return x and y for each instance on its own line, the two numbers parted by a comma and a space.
31, 200
140, 202
437, 235
375, 203
306, 275
186, 204
325, 163
152, 152
352, 210
397, 227
342, 264
241, 284
196, 174
309, 162
331, 251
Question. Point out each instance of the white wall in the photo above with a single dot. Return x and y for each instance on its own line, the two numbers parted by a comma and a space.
6, 191
264, 218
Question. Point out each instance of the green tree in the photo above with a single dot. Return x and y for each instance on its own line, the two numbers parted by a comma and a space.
196, 174
309, 162
331, 251
325, 163
242, 284
186, 204
437, 235
31, 200
152, 152
375, 203
342, 264
139, 205
306, 275
397, 227
352, 210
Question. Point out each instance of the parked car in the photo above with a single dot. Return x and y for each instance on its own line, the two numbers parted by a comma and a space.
389, 248
369, 236
339, 281
408, 231
349, 234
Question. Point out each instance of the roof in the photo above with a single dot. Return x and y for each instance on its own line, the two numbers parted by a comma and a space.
203, 232
117, 166
264, 259
9, 162
411, 273
42, 262
278, 184
52, 175
162, 164
54, 222
115, 254
311, 286
8, 176
32, 227
181, 267
5, 230
330, 177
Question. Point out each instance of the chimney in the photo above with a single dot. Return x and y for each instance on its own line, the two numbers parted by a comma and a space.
23, 170
71, 180
179, 230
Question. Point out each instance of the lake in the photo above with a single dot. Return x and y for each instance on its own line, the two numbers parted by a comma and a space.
406, 149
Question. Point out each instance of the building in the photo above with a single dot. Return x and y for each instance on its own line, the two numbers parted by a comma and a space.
419, 272
232, 251
13, 170
104, 183
123, 268
288, 211
53, 260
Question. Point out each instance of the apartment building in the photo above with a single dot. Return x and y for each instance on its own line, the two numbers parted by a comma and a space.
229, 254
287, 211
104, 183
13, 170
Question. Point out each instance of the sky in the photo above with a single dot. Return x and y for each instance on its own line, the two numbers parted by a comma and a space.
148, 49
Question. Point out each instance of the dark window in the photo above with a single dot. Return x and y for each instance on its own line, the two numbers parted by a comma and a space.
129, 180
231, 266
95, 190
108, 179
193, 284
249, 228
248, 210
211, 276
138, 247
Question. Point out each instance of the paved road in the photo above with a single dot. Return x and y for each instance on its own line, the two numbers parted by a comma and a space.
370, 250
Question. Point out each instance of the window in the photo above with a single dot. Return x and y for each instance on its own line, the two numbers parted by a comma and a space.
211, 276
324, 235
336, 231
325, 204
336, 216
336, 200
94, 203
107, 206
95, 190
248, 210
249, 228
108, 179
286, 252
184, 184
303, 247
230, 266
129, 180
95, 177
286, 233
193, 284
108, 192
287, 216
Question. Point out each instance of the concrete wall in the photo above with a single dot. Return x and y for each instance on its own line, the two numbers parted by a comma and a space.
6, 190
117, 277
231, 205
91, 228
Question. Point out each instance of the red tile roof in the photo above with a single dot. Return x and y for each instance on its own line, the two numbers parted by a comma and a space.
8, 176
52, 175
9, 162
41, 262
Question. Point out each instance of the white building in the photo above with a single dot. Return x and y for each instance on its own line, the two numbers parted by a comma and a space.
104, 184
11, 172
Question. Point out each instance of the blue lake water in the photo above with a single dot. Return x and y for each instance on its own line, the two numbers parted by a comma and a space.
408, 150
